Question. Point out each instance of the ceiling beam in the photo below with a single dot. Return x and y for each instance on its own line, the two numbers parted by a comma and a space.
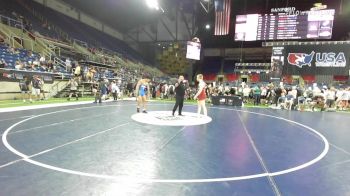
167, 28
186, 24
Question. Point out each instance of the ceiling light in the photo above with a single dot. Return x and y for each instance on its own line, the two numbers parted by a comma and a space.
153, 4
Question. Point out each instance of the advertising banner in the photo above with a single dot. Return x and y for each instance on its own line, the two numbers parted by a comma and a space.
316, 59
277, 62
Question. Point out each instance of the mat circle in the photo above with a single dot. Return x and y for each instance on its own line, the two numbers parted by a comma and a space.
154, 180
165, 118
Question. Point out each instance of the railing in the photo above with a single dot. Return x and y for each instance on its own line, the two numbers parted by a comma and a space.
47, 52
12, 38
55, 49
21, 40
59, 61
58, 87
81, 43
11, 22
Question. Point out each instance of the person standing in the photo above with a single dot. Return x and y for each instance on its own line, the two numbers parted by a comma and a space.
201, 96
77, 72
257, 94
36, 87
115, 90
42, 91
95, 91
73, 88
24, 86
101, 91
142, 92
180, 88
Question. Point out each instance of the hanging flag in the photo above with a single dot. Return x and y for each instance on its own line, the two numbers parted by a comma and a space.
222, 17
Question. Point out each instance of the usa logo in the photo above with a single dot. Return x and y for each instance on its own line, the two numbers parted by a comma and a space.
300, 59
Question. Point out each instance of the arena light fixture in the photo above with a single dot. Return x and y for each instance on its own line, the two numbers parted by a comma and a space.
207, 26
153, 4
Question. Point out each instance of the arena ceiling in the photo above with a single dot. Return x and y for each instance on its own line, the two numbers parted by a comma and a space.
125, 15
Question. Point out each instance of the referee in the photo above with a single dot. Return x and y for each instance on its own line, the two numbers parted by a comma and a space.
180, 88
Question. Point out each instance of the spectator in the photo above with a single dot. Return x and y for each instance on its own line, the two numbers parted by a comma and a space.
24, 87
36, 62
256, 94
19, 65
263, 94
42, 60
73, 88
3, 63
278, 94
115, 90
330, 97
36, 88
104, 88
94, 89
246, 92
99, 91
41, 87
344, 99
77, 72
50, 66
90, 75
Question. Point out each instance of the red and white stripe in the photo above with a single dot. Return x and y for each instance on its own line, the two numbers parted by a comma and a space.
222, 19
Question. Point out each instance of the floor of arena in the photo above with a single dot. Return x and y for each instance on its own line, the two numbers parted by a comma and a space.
101, 150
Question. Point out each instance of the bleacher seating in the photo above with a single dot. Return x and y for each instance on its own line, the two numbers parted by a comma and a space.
40, 17
20, 54
83, 32
50, 19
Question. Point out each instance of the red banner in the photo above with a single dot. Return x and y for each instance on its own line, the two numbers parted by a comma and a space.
232, 77
309, 78
340, 78
209, 77
255, 78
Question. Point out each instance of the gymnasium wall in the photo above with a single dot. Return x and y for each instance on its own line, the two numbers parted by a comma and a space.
10, 90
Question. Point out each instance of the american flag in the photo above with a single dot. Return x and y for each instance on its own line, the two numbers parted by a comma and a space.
222, 17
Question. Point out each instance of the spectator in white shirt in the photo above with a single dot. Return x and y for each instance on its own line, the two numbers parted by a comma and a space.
115, 90
42, 59
330, 97
246, 92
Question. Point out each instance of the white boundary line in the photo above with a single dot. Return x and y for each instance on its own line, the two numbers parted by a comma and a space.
63, 145
8, 119
260, 158
59, 123
151, 180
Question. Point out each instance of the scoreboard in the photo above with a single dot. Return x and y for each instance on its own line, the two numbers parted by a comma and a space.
285, 26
